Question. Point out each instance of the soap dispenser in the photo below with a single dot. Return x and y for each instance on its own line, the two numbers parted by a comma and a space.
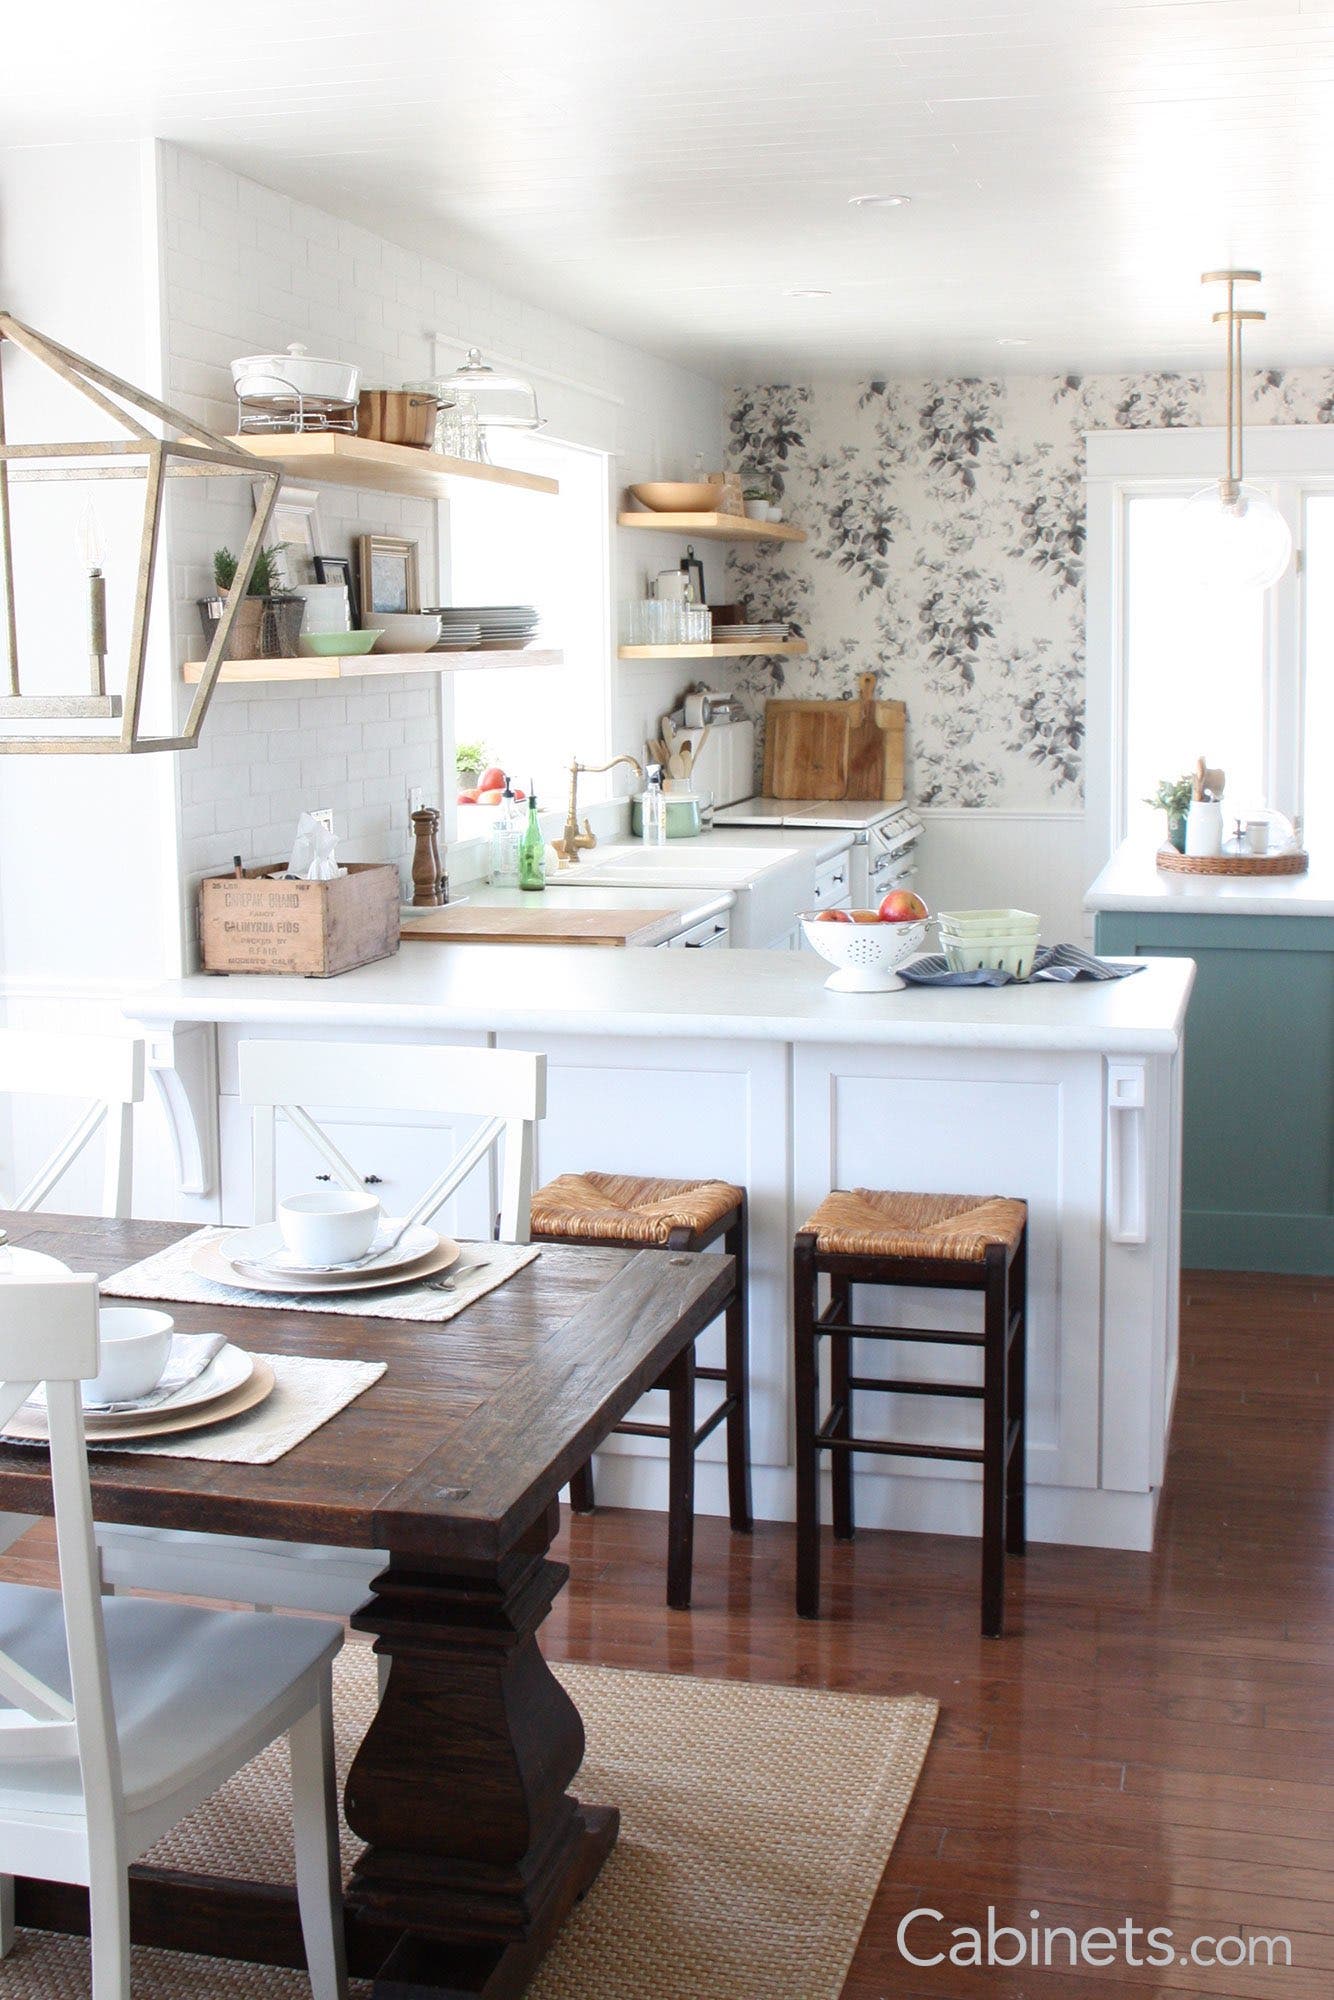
654, 809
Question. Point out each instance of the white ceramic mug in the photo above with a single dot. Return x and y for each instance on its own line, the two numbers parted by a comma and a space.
671, 586
1257, 836
333, 1226
134, 1346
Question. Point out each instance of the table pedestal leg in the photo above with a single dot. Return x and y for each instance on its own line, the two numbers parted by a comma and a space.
474, 1848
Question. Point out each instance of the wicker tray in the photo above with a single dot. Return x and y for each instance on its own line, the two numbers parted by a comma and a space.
1173, 863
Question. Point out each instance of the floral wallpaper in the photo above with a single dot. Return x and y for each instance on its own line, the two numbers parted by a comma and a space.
945, 547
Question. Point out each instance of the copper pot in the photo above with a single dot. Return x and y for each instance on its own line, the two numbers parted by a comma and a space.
397, 416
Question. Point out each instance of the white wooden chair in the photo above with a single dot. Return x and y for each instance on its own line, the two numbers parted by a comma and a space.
107, 1068
507, 1091
118, 1718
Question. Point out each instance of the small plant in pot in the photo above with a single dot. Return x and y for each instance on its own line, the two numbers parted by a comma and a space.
267, 609
756, 499
469, 762
1173, 797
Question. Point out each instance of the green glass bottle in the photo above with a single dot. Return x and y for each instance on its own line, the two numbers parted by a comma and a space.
532, 849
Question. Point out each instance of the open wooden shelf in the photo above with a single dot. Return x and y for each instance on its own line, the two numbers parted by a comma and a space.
713, 527
388, 468
361, 666
721, 649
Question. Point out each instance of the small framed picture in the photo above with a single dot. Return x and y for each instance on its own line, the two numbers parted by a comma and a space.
295, 525
694, 569
338, 569
387, 574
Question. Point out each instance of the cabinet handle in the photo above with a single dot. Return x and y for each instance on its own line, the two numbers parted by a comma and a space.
1127, 1193
370, 1180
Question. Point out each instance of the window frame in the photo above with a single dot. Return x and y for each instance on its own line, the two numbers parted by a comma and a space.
1288, 462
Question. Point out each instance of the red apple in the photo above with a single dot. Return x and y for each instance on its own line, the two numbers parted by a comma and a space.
492, 779
866, 916
467, 798
490, 795
901, 906
834, 917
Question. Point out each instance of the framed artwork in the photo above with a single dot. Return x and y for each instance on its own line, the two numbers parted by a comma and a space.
387, 574
295, 524
694, 569
338, 569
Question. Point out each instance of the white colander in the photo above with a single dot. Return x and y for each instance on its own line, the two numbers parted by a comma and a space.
866, 955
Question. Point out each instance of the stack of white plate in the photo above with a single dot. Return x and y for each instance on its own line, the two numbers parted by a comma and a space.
458, 633
729, 634
511, 626
233, 1383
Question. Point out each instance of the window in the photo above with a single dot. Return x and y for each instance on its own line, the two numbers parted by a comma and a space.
1175, 672
513, 547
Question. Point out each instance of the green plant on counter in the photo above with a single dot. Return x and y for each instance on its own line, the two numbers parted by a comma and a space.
1173, 797
755, 493
469, 757
263, 578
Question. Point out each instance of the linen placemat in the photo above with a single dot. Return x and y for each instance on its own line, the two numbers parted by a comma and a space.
170, 1275
307, 1392
1053, 964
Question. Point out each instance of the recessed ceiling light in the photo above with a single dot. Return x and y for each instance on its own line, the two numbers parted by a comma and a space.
807, 292
1012, 340
879, 200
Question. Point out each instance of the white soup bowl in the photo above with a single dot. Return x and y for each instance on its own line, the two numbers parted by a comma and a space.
333, 1226
133, 1348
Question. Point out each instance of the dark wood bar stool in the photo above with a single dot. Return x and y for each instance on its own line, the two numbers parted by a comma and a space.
669, 1215
972, 1243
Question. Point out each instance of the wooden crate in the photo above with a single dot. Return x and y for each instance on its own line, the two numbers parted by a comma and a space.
257, 922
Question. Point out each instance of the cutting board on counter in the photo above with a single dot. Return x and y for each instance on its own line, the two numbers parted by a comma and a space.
835, 749
469, 923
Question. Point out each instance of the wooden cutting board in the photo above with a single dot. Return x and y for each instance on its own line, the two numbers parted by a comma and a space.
476, 923
835, 749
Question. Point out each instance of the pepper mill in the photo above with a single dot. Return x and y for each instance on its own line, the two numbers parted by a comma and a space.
427, 892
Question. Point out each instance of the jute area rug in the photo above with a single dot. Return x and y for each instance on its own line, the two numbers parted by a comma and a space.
756, 1823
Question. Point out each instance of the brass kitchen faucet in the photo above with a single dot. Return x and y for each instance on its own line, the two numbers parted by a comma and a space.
571, 841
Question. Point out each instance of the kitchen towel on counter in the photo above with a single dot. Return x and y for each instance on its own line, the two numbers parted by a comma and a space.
1057, 964
170, 1275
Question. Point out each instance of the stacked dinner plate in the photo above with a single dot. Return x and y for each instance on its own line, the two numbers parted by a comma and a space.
232, 1383
495, 626
257, 1260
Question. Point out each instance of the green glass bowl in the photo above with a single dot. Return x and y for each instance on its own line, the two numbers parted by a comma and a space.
336, 645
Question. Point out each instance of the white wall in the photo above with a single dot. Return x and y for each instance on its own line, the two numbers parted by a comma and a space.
248, 271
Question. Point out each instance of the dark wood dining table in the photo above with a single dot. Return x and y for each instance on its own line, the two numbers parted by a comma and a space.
453, 1463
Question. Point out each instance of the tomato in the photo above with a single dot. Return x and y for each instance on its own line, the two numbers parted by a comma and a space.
834, 917
901, 906
492, 779
467, 798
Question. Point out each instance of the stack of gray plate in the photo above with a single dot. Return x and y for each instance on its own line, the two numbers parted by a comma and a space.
460, 632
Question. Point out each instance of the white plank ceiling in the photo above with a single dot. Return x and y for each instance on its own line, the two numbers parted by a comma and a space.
673, 173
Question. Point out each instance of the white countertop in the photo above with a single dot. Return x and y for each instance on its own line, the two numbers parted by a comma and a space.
1131, 881
733, 995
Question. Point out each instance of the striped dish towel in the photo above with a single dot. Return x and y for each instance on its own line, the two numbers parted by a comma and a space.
1056, 963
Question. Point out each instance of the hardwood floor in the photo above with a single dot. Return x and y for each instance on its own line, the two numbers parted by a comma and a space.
1154, 1741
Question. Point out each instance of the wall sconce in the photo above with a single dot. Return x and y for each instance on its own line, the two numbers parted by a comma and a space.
190, 451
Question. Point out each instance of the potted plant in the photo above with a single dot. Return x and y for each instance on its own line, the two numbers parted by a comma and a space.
469, 762
1173, 797
262, 594
756, 502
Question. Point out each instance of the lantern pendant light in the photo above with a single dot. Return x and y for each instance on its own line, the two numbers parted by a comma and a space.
177, 448
1232, 535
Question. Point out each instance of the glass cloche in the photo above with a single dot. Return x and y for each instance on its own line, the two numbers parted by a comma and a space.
500, 401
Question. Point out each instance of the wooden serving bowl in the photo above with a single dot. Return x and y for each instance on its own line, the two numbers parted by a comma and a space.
679, 496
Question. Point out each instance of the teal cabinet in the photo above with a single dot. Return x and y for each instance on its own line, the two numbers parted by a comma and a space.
1258, 1182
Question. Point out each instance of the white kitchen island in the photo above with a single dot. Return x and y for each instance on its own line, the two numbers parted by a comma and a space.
742, 1065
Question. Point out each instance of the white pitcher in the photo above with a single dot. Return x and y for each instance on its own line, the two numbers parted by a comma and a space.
1204, 827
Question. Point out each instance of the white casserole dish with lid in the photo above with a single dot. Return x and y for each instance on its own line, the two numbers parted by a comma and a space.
309, 378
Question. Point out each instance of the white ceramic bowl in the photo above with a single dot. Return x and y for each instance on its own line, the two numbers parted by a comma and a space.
133, 1348
330, 1227
988, 923
867, 955
406, 631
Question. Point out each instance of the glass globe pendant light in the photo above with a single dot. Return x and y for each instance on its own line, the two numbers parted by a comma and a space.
1232, 536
